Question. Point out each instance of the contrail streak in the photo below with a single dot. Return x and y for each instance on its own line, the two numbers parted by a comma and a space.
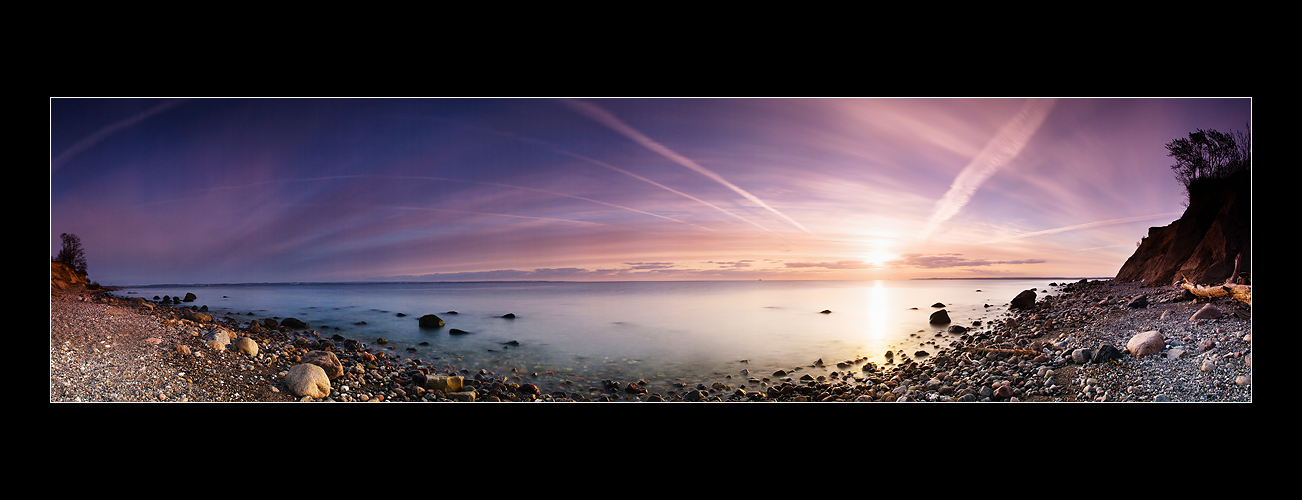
108, 130
558, 150
1002, 148
1084, 226
606, 118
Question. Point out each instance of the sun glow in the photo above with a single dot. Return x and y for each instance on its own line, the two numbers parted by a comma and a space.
879, 258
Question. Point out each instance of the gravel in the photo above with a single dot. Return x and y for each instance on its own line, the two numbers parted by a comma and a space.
105, 349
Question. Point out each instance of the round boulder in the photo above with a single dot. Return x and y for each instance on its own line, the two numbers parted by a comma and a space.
1024, 300
245, 345
431, 321
293, 323
1143, 344
328, 362
308, 380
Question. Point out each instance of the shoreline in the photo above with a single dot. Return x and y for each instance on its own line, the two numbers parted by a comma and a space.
97, 340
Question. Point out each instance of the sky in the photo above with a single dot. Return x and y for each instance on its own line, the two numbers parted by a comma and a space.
218, 190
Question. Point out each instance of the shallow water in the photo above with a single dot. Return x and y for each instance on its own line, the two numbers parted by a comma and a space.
660, 331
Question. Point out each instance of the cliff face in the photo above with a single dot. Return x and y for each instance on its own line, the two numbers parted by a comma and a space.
63, 277
1202, 244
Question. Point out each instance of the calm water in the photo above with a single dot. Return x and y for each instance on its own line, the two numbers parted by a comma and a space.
661, 331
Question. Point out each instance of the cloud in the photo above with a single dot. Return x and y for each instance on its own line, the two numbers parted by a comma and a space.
606, 118
1086, 226
1002, 148
101, 134
649, 265
840, 264
948, 260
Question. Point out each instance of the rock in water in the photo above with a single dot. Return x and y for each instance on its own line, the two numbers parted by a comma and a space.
939, 317
293, 323
1024, 300
431, 321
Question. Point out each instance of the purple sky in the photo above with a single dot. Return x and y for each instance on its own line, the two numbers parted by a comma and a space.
273, 190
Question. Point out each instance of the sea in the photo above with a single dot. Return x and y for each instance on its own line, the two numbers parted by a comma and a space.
663, 332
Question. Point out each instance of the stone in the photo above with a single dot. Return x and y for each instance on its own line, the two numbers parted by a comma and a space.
431, 321
328, 362
245, 345
1207, 312
1106, 352
1024, 300
196, 316
293, 324
190, 297
1140, 302
308, 380
1146, 343
939, 317
448, 384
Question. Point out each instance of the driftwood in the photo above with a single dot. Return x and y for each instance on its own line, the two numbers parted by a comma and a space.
1241, 293
1235, 291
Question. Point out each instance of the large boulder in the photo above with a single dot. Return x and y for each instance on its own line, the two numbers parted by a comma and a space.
447, 384
245, 345
1207, 312
293, 323
195, 316
1024, 300
1146, 343
308, 380
431, 321
939, 317
328, 362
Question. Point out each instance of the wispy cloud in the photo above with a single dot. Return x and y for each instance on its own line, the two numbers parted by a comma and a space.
1086, 225
948, 260
1002, 148
606, 118
101, 134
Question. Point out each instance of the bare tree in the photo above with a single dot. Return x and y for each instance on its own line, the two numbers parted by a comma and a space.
71, 254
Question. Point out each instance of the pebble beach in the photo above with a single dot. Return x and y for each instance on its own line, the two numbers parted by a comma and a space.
1076, 345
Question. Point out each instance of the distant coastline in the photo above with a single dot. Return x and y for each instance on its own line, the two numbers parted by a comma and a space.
409, 282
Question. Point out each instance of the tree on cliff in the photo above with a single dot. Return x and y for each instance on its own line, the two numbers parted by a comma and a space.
1209, 154
71, 254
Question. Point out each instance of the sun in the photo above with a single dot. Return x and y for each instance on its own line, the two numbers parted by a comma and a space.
879, 258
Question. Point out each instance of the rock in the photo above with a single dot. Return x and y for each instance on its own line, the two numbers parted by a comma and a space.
190, 297
956, 329
448, 384
431, 321
293, 324
1146, 343
938, 304
1207, 312
328, 362
245, 345
1106, 352
270, 323
1081, 356
939, 317
308, 380
217, 339
196, 316
1024, 300
457, 331
825, 311
1140, 302
509, 316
